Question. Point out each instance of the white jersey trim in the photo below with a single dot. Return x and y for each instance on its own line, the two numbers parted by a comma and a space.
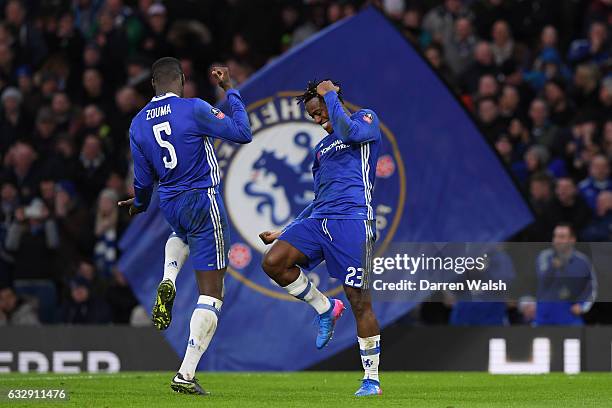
365, 172
164, 96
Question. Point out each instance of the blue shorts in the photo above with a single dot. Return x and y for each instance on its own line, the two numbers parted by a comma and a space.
345, 246
198, 218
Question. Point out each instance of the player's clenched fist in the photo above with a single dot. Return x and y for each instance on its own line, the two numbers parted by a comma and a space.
326, 86
269, 237
222, 76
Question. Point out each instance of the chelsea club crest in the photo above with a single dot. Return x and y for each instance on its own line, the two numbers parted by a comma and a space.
267, 182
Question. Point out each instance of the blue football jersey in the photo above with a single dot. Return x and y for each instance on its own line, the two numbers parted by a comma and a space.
170, 139
344, 167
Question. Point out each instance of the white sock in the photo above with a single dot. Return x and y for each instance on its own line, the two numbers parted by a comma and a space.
177, 252
369, 348
303, 289
202, 328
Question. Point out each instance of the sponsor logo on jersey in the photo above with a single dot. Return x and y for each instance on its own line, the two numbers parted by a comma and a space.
368, 117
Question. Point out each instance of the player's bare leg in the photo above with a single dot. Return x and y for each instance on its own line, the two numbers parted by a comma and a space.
280, 264
202, 328
176, 253
368, 336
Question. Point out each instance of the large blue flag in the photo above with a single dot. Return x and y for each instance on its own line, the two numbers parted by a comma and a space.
437, 180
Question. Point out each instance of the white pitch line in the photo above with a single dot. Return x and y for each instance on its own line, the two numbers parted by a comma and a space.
71, 377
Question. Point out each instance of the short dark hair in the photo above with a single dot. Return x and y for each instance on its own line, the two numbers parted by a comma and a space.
567, 225
166, 70
541, 177
311, 91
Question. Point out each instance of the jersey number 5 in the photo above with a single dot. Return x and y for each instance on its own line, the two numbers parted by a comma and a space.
157, 130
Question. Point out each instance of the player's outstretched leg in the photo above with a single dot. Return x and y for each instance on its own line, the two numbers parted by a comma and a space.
280, 264
176, 253
202, 328
368, 334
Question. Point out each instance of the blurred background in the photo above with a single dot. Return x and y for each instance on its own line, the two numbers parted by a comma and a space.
536, 76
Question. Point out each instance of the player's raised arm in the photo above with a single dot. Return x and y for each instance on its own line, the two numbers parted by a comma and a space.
212, 122
360, 130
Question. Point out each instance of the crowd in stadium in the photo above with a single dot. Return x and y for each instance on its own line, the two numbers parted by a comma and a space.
74, 73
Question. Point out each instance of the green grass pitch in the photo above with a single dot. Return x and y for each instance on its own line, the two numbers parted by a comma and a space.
319, 389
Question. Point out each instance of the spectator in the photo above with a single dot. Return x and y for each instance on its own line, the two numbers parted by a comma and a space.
580, 146
439, 21
598, 180
30, 44
592, 49
540, 197
488, 117
509, 104
94, 92
548, 63
9, 201
561, 109
607, 138
113, 44
568, 206
315, 20
487, 12
75, 225
84, 307
605, 99
519, 137
85, 12
487, 87
413, 30
459, 48
154, 41
600, 229
504, 148
126, 101
503, 43
94, 123
543, 132
433, 53
537, 160
20, 169
567, 285
31, 98
14, 121
121, 299
107, 230
66, 116
93, 169
67, 41
584, 93
33, 231
483, 65
44, 137
17, 310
